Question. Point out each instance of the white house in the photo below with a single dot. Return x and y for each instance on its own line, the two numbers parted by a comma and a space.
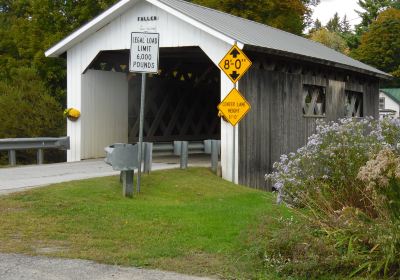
389, 102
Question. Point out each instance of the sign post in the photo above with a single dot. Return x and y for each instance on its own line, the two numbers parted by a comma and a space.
234, 107
143, 59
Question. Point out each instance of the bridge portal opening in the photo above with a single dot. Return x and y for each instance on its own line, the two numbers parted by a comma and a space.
181, 100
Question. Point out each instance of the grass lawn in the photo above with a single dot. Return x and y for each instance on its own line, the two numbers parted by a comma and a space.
188, 221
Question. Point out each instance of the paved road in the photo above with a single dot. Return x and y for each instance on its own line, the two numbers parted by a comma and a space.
21, 267
20, 178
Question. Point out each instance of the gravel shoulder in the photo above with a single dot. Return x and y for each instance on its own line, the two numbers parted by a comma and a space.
22, 267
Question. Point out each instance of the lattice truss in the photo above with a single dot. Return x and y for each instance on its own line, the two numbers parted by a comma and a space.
180, 105
354, 104
314, 100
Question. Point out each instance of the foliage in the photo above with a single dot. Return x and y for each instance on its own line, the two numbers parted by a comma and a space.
347, 178
334, 24
30, 27
380, 45
32, 87
289, 15
26, 108
330, 39
316, 25
371, 9
336, 34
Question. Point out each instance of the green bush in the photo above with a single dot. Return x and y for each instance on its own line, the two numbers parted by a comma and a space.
27, 109
346, 180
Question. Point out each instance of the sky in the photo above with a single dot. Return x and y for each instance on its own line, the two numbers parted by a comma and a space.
327, 8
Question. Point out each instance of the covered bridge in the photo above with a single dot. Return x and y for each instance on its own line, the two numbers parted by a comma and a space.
292, 83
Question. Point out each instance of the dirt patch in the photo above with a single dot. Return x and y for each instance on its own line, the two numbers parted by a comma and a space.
200, 264
44, 248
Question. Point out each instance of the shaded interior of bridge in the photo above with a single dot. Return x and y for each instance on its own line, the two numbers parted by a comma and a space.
181, 100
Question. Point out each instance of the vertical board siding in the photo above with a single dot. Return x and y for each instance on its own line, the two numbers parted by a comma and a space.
335, 98
104, 111
276, 125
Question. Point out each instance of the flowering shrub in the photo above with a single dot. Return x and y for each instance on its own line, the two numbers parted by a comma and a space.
347, 177
381, 176
332, 157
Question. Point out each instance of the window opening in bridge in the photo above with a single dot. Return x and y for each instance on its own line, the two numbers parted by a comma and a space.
354, 104
314, 100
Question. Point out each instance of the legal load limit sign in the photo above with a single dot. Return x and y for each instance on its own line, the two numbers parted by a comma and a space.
144, 52
234, 107
235, 63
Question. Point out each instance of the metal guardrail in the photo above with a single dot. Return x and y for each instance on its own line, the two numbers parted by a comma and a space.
40, 144
194, 147
182, 149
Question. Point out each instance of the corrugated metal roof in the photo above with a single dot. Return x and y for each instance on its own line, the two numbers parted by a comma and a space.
393, 93
245, 31
255, 34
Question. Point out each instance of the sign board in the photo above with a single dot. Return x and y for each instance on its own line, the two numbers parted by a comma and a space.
234, 107
235, 63
144, 52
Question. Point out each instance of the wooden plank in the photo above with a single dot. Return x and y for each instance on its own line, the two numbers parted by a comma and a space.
335, 100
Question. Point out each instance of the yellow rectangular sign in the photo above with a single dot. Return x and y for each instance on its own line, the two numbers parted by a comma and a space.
235, 63
234, 107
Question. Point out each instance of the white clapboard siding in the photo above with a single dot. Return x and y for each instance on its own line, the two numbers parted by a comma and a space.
390, 104
105, 111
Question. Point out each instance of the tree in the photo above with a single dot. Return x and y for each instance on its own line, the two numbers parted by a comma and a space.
380, 45
26, 108
32, 26
330, 39
370, 11
316, 25
345, 25
336, 34
333, 24
289, 15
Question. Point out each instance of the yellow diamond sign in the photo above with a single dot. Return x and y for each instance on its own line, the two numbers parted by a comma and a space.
234, 107
235, 63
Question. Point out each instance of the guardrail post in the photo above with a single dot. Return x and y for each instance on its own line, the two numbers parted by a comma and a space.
127, 183
148, 157
184, 154
40, 156
214, 155
12, 159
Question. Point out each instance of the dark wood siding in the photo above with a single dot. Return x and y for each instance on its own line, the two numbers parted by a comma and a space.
276, 125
